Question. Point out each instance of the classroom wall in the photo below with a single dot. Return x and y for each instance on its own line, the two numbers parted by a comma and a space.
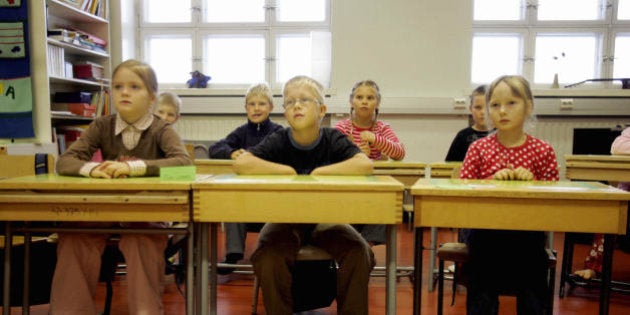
419, 52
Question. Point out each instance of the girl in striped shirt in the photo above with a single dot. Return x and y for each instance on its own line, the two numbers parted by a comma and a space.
374, 137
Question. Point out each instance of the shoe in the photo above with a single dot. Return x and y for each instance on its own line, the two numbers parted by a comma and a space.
451, 268
232, 259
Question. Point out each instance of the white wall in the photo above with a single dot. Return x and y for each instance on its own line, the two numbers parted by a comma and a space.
419, 52
409, 47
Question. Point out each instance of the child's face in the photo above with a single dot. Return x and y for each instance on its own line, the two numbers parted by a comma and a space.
478, 111
507, 111
257, 108
167, 112
130, 95
302, 109
365, 102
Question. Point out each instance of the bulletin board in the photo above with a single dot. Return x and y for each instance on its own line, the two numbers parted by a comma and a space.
16, 97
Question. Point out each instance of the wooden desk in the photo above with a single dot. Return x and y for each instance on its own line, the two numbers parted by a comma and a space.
403, 171
516, 205
612, 168
608, 168
62, 198
214, 166
295, 199
442, 169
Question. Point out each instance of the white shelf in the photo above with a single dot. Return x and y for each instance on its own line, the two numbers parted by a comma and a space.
77, 50
60, 8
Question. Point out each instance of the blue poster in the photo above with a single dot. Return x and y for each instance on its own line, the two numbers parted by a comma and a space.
16, 94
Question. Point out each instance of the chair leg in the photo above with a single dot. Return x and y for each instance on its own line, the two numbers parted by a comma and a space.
108, 297
440, 287
255, 299
567, 262
552, 288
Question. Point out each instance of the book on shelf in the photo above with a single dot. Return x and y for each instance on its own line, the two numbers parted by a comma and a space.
56, 61
79, 38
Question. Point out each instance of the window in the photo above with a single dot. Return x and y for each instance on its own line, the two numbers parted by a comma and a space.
541, 38
236, 42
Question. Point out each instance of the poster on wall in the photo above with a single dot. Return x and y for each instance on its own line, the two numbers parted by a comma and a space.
16, 96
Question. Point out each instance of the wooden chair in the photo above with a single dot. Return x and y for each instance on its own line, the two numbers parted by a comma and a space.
24, 165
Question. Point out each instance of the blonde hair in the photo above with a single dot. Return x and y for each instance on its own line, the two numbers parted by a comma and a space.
143, 70
368, 83
304, 81
259, 89
478, 91
172, 99
519, 86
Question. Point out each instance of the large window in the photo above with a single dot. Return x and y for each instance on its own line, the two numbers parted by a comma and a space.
236, 42
576, 39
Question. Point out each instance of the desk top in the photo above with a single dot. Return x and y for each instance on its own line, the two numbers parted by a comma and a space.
58, 182
598, 167
562, 206
298, 182
598, 158
518, 189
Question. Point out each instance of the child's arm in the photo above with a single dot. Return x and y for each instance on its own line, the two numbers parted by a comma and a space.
359, 164
386, 141
621, 145
226, 146
249, 164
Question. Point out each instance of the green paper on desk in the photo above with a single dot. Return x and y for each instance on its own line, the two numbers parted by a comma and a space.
178, 173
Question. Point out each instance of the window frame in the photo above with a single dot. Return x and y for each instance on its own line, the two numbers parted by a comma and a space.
199, 29
605, 28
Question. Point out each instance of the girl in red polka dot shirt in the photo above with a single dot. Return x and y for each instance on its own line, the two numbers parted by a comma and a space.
508, 260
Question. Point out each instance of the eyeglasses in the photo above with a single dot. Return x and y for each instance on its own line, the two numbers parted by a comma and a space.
304, 101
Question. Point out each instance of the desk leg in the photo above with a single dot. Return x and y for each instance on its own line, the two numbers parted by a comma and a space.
417, 272
190, 269
203, 266
432, 253
26, 283
604, 294
6, 283
213, 268
390, 286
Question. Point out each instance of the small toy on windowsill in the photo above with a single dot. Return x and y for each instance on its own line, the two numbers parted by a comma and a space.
198, 80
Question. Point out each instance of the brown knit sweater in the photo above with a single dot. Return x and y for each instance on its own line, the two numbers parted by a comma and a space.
159, 146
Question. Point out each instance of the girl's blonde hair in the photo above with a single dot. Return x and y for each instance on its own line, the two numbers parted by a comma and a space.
519, 86
301, 80
368, 83
143, 70
172, 99
259, 89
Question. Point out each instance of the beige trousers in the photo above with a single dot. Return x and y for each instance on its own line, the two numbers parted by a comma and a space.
78, 267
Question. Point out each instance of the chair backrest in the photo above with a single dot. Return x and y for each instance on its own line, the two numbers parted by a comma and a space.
24, 165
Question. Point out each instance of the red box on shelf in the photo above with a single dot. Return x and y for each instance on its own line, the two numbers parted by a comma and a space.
82, 109
87, 71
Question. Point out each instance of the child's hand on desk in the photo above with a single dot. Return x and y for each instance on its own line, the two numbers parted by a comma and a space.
522, 173
514, 174
236, 154
111, 169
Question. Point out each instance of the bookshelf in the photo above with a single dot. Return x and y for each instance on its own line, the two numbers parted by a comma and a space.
70, 54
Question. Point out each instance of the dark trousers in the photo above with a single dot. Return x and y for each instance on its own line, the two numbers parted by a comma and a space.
506, 262
277, 249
